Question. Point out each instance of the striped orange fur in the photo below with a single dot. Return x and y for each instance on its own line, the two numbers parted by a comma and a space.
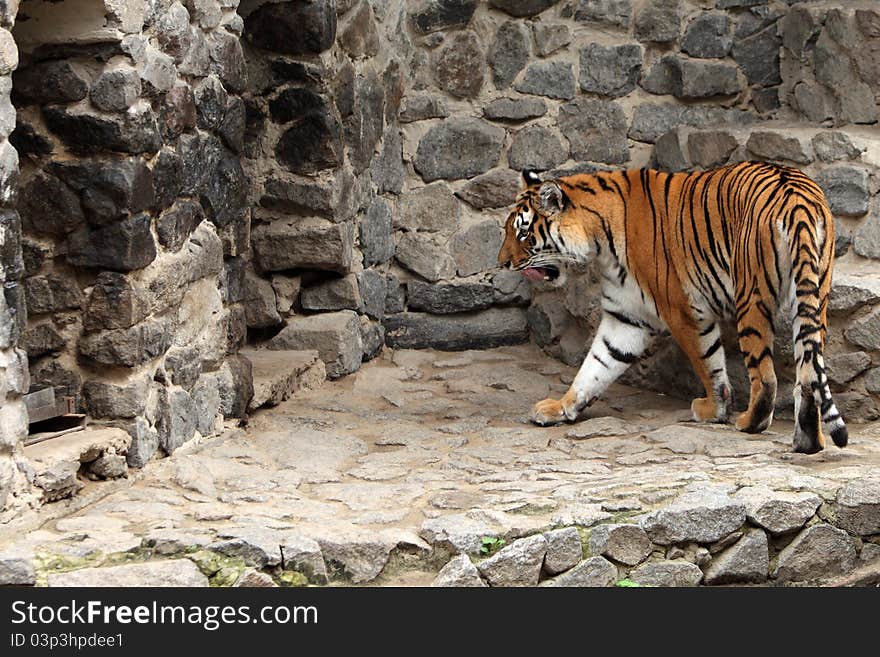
678, 252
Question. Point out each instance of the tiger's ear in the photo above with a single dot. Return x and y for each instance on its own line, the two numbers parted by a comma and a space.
552, 197
530, 177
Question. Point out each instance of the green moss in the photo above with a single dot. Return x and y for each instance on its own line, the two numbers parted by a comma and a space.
211, 563
584, 533
292, 578
132, 556
49, 563
622, 518
226, 576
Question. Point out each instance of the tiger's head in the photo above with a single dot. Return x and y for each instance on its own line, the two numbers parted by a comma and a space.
530, 245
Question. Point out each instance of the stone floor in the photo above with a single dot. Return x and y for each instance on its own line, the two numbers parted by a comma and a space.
370, 478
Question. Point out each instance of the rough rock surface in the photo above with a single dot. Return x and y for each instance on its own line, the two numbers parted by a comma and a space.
702, 516
627, 544
745, 561
518, 564
667, 573
592, 572
818, 552
459, 572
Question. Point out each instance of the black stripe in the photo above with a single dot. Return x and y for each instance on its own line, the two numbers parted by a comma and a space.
754, 361
618, 355
624, 319
711, 350
748, 330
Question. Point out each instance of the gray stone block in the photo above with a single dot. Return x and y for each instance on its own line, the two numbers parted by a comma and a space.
676, 573
494, 189
127, 347
314, 244
459, 65
708, 35
269, 27
448, 298
428, 16
515, 109
376, 238
84, 131
610, 71
536, 147
425, 255
432, 208
550, 37
658, 21
475, 248
482, 330
509, 53
551, 79
115, 400
458, 148
816, 553
617, 13
596, 130
116, 89
335, 336
846, 188
334, 294
123, 246
259, 302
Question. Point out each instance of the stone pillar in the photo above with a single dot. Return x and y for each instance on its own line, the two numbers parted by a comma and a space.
133, 205
13, 314
318, 106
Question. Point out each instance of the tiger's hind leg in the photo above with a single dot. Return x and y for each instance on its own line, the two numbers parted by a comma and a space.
810, 418
808, 436
755, 331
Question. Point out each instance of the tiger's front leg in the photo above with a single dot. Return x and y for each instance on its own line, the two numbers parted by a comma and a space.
617, 345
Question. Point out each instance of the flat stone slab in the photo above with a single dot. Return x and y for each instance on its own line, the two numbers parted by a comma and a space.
177, 572
81, 446
279, 374
56, 462
386, 475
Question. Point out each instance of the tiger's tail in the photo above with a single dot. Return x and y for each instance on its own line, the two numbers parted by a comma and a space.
811, 240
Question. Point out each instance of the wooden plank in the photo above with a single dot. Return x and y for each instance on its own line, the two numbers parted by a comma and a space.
40, 398
42, 436
60, 407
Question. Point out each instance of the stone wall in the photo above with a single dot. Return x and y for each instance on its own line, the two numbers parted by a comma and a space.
13, 314
357, 239
387, 141
133, 210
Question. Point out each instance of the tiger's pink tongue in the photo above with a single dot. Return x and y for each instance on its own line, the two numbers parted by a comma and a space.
533, 274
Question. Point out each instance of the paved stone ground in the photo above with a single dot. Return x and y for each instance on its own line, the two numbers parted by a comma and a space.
381, 476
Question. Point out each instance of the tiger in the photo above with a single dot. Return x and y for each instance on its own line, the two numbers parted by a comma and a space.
678, 253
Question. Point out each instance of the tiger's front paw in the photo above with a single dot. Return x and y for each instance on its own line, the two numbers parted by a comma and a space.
705, 410
547, 412
555, 411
